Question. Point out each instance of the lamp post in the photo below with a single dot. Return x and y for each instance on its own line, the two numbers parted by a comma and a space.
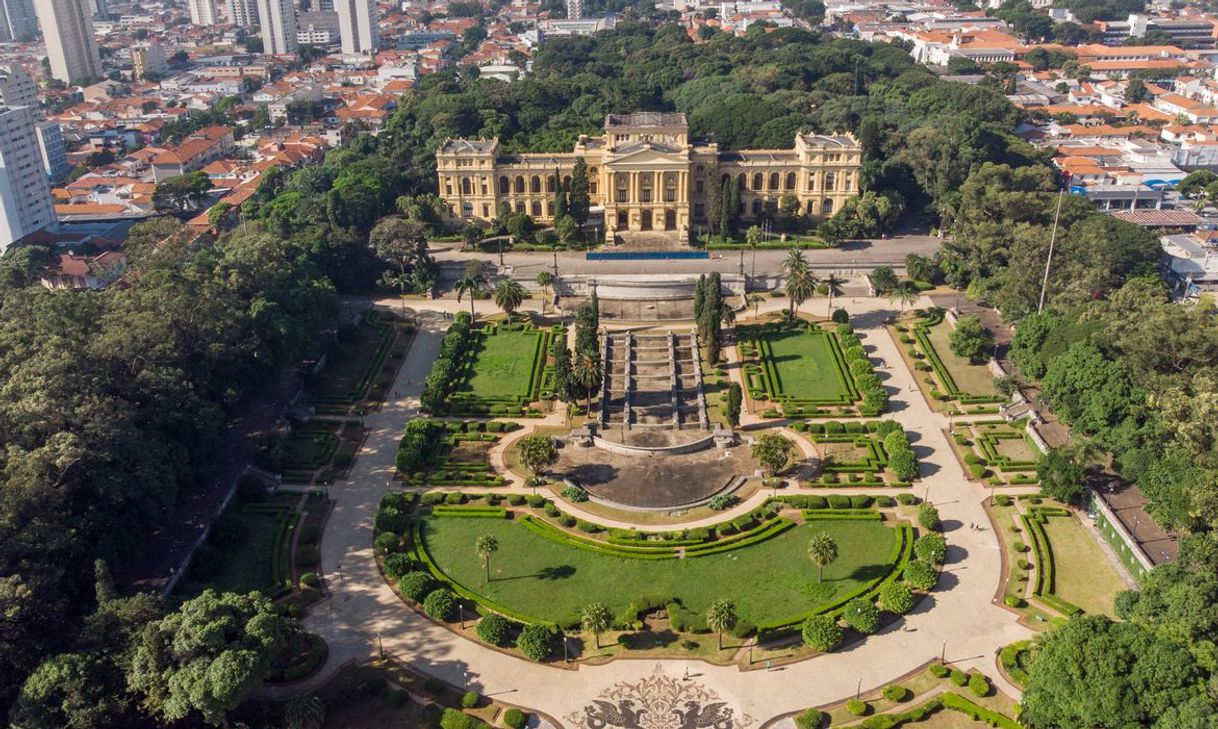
380, 648
461, 612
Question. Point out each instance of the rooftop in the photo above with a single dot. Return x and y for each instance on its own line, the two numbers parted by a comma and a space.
645, 119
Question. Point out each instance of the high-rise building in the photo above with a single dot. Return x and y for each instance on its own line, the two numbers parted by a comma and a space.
278, 21
67, 26
17, 88
243, 13
17, 20
357, 26
575, 9
148, 59
101, 10
203, 12
54, 151
25, 196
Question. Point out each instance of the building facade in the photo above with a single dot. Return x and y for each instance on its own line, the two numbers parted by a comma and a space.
357, 26
203, 12
54, 151
25, 196
646, 174
67, 26
17, 20
278, 21
17, 88
148, 59
243, 13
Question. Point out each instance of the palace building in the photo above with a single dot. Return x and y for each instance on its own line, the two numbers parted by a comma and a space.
646, 174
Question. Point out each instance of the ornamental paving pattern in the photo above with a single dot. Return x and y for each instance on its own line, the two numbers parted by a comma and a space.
960, 618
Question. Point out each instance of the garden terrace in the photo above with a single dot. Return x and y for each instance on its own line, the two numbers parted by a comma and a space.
544, 573
799, 367
502, 369
320, 451
852, 453
951, 381
360, 367
1000, 452
1044, 581
652, 381
450, 453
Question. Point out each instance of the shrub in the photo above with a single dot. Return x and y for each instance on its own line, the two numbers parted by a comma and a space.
904, 464
575, 494
928, 517
834, 428
1019, 546
839, 501
920, 575
455, 498
310, 579
535, 500
1014, 601
885, 501
1002, 500
857, 707
588, 527
1023, 564
907, 499
895, 693
822, 633
453, 719
397, 565
397, 500
840, 317
938, 670
516, 499
415, 586
494, 629
440, 604
896, 597
862, 615
860, 501
931, 548
978, 684
385, 542
391, 520
551, 509
431, 498
723, 501
959, 677
536, 642
469, 699
977, 470
809, 718
514, 718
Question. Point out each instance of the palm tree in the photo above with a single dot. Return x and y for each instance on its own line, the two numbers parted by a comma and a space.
589, 373
486, 545
800, 281
721, 616
833, 284
596, 620
752, 236
904, 292
755, 302
471, 284
545, 280
822, 550
508, 296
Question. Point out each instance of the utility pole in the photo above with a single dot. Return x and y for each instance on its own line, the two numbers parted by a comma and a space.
1044, 282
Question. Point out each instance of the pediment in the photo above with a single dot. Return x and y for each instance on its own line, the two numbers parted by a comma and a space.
647, 157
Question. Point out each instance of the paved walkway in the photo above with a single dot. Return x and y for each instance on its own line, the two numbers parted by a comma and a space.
959, 617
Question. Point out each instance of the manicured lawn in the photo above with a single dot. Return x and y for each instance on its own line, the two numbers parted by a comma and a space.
1083, 574
247, 565
503, 365
769, 582
971, 378
1017, 449
805, 365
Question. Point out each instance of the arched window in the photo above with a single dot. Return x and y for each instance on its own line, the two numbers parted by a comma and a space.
756, 207
549, 210
520, 206
519, 183
830, 180
549, 183
758, 181
535, 184
566, 182
811, 207
848, 183
467, 210
740, 182
773, 180
699, 170
505, 186
790, 180
826, 206
467, 187
536, 209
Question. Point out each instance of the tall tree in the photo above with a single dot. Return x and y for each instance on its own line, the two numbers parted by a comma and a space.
486, 546
721, 617
596, 619
545, 280
560, 198
537, 452
822, 550
589, 373
580, 199
508, 296
402, 245
833, 287
772, 451
471, 285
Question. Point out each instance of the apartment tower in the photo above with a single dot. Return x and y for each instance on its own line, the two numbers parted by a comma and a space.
278, 21
357, 26
67, 26
25, 196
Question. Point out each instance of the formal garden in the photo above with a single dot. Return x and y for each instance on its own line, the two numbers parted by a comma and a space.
805, 369
360, 364
496, 369
997, 452
952, 382
320, 451
450, 453
522, 560
861, 454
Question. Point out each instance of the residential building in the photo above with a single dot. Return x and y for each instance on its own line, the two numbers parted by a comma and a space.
148, 59
195, 151
278, 21
67, 26
17, 88
648, 175
53, 150
203, 12
575, 9
25, 196
1192, 32
582, 26
357, 26
79, 273
317, 28
243, 13
17, 20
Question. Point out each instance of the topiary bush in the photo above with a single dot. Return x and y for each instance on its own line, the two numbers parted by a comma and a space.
397, 565
575, 494
537, 642
921, 575
514, 718
440, 604
809, 719
469, 699
931, 548
385, 542
928, 517
896, 597
896, 693
310, 580
495, 629
979, 685
455, 498
862, 615
415, 586
390, 519
959, 677
938, 670
822, 633
857, 707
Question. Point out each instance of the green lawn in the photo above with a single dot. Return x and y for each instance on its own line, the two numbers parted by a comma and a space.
974, 379
503, 365
1082, 573
805, 365
248, 564
1017, 449
769, 582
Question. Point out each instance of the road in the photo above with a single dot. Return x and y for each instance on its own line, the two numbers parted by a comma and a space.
855, 255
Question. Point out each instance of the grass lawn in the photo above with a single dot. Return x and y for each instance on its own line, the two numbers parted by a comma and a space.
1083, 574
805, 365
247, 565
1017, 449
769, 582
503, 365
975, 379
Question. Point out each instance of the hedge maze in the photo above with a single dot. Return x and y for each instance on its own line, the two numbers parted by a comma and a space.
999, 451
1044, 585
927, 358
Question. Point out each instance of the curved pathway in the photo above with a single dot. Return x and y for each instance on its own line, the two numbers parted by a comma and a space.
959, 614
